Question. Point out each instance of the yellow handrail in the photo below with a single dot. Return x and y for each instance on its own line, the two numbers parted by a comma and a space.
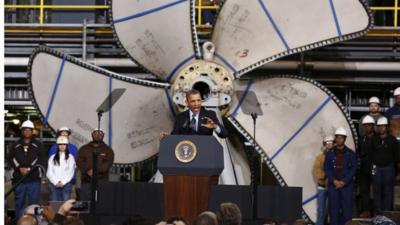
199, 10
396, 12
42, 7
382, 8
22, 6
199, 7
41, 11
57, 6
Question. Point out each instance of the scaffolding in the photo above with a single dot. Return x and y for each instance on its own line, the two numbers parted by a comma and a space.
204, 11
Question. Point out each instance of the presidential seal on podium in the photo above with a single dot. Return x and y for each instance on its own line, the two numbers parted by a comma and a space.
185, 151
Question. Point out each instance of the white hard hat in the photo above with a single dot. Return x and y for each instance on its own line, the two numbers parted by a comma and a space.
64, 129
27, 124
62, 140
341, 131
97, 129
396, 91
368, 119
329, 138
382, 121
374, 100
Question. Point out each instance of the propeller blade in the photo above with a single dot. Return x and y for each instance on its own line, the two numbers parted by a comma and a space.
70, 92
158, 35
293, 116
249, 34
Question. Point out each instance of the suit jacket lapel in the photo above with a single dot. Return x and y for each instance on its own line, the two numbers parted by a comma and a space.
186, 121
201, 115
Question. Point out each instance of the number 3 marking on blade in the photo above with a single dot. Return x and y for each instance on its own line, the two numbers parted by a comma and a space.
243, 54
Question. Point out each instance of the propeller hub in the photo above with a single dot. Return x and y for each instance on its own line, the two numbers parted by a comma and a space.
212, 80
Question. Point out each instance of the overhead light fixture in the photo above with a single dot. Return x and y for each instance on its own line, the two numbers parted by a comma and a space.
16, 121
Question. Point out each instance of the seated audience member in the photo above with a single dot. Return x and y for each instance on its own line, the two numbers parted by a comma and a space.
42, 214
269, 222
206, 218
300, 222
63, 212
176, 220
136, 220
27, 220
73, 220
229, 214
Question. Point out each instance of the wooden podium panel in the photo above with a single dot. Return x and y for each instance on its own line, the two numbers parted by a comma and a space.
187, 196
190, 164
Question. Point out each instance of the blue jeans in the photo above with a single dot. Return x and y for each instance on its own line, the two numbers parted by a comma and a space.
30, 190
340, 202
383, 187
321, 206
61, 194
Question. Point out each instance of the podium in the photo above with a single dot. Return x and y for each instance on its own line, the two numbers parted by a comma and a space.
190, 165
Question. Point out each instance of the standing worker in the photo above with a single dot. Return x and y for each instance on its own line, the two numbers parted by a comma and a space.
61, 171
65, 132
393, 115
26, 154
385, 155
374, 107
105, 158
365, 155
319, 175
340, 167
395, 110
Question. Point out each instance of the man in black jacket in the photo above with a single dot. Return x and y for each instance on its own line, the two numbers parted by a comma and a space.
364, 153
385, 155
25, 155
197, 120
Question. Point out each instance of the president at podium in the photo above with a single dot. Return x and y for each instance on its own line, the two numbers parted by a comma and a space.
197, 120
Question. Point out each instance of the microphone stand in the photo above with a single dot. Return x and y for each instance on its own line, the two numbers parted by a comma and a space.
22, 179
254, 171
34, 168
93, 181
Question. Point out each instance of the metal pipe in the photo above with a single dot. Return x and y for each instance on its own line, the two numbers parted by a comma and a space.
84, 35
276, 65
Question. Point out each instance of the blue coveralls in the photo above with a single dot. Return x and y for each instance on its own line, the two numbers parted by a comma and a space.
340, 201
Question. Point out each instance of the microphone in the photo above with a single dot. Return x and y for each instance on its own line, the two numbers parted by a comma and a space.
254, 115
186, 124
100, 113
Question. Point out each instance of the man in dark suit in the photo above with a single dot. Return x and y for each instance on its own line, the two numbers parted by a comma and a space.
197, 120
